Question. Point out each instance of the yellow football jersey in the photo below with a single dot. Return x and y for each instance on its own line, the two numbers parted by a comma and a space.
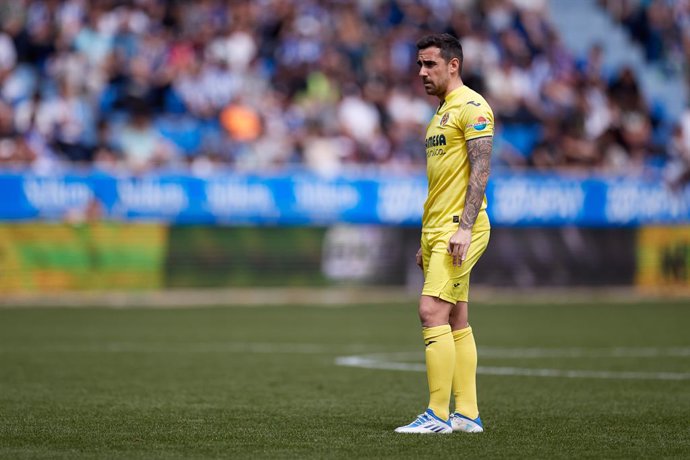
464, 115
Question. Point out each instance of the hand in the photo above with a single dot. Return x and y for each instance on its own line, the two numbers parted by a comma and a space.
419, 259
458, 245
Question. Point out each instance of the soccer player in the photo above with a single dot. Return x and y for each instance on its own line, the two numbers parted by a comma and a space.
455, 233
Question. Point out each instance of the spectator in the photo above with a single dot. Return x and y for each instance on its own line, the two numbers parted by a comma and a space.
269, 83
8, 54
143, 148
241, 122
678, 169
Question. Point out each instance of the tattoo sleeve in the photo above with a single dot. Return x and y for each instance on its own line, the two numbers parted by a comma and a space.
479, 155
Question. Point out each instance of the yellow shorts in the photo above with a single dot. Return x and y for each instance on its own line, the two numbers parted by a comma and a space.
441, 278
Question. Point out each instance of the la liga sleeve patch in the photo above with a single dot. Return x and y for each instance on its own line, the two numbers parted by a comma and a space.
478, 123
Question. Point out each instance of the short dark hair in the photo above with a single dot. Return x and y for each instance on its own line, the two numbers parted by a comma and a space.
450, 46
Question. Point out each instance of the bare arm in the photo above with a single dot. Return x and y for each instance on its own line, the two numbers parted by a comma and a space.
479, 154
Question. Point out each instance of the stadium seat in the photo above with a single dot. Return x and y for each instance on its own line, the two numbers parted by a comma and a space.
183, 131
521, 137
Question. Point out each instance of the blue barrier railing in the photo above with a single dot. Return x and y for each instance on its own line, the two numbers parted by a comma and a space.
306, 199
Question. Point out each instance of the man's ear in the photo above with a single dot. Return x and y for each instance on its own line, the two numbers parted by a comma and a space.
454, 65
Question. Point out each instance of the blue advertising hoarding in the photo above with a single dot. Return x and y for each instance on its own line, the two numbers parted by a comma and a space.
306, 199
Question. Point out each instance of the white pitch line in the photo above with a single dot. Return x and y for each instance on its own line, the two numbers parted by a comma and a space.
616, 352
379, 361
532, 353
587, 374
308, 348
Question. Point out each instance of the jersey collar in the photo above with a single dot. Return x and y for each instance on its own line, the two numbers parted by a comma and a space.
453, 94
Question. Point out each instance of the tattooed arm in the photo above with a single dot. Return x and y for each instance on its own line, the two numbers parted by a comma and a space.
479, 154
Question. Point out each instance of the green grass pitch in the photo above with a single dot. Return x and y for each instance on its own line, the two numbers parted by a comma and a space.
263, 382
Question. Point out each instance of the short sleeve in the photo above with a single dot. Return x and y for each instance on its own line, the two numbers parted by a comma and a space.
476, 120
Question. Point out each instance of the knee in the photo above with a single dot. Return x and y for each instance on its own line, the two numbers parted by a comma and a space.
426, 314
433, 312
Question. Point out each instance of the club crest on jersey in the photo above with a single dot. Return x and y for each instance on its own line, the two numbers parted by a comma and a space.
479, 125
444, 119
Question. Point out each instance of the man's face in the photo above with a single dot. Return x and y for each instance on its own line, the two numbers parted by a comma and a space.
435, 72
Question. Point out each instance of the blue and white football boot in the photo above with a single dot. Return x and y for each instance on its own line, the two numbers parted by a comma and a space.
427, 423
465, 424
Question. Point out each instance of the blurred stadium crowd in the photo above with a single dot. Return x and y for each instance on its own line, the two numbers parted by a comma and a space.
269, 84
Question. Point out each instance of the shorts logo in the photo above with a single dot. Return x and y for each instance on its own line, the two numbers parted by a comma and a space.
479, 125
444, 119
456, 285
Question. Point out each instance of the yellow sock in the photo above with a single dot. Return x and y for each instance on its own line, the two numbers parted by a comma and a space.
440, 361
465, 377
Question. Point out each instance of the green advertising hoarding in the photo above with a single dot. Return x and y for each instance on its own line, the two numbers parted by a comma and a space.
211, 257
44, 257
